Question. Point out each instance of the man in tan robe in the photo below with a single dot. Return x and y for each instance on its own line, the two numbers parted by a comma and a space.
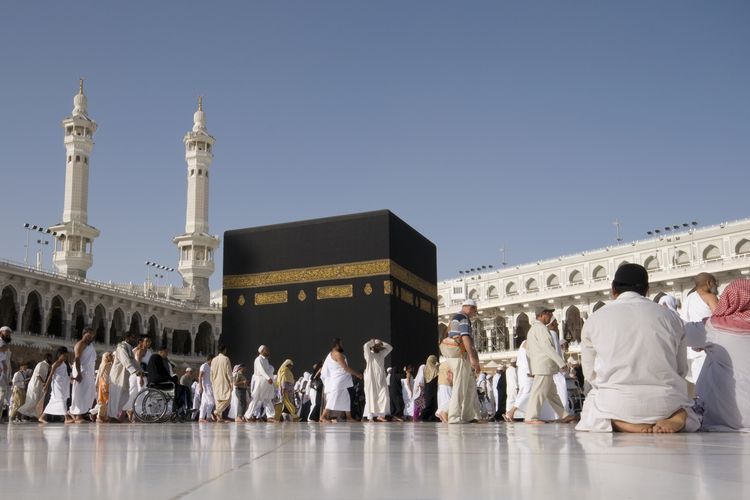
221, 381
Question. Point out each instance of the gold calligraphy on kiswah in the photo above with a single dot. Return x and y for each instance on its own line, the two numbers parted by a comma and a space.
266, 298
335, 292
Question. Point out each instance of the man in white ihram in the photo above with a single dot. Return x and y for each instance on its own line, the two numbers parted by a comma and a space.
633, 355
377, 403
697, 307
84, 376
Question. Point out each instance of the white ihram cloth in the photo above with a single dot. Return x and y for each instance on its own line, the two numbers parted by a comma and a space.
123, 366
524, 388
444, 397
58, 400
35, 390
207, 392
560, 382
693, 310
633, 355
262, 393
511, 387
84, 392
724, 386
377, 402
336, 382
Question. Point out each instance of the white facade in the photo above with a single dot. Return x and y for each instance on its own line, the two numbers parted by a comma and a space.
196, 246
578, 284
74, 245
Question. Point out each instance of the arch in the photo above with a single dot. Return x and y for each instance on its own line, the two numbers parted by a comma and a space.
598, 306
501, 334
164, 341
622, 264
711, 252
153, 329
742, 247
181, 342
522, 329
8, 309
117, 328
553, 281
100, 323
511, 289
31, 321
573, 324
204, 341
441, 301
658, 296
532, 285
135, 324
651, 263
56, 322
576, 277
473, 294
78, 320
681, 258
599, 273
492, 292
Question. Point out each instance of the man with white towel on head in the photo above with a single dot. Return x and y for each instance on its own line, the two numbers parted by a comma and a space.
263, 390
377, 402
698, 306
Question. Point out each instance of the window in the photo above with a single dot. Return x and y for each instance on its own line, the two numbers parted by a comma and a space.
576, 278
200, 171
192, 172
70, 158
743, 247
78, 157
599, 273
458, 290
86, 160
553, 281
711, 252
532, 286
511, 289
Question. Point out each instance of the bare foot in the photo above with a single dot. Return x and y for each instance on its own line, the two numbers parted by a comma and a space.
673, 424
396, 419
42, 420
203, 421
622, 426
536, 421
442, 416
567, 420
379, 419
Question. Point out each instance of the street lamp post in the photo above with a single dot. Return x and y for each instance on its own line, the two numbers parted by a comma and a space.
40, 229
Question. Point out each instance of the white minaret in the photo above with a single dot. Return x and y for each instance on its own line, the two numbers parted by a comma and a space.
196, 245
74, 253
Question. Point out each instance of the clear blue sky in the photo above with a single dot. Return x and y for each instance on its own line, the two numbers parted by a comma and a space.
526, 124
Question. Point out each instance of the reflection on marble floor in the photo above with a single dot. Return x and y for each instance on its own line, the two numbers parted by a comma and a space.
366, 461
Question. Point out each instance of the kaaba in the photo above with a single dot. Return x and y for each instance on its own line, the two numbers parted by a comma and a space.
296, 286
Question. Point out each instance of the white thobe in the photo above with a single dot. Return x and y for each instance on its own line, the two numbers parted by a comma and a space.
511, 387
35, 391
693, 310
336, 382
560, 382
377, 402
207, 392
84, 391
123, 366
263, 392
60, 385
633, 355
724, 386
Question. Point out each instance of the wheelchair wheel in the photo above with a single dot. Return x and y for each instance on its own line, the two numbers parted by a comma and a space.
150, 405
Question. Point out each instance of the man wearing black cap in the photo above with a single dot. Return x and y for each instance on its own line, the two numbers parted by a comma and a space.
545, 362
634, 356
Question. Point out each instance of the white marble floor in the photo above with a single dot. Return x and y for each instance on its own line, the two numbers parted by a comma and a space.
348, 461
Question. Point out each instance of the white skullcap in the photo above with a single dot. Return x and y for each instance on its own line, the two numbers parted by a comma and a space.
6, 329
469, 302
261, 348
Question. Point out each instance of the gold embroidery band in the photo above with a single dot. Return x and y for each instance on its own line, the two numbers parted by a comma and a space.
266, 298
335, 292
350, 270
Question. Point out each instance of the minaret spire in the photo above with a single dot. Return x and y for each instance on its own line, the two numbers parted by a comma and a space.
74, 245
196, 245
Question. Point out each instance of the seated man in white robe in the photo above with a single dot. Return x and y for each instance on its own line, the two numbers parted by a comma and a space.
633, 355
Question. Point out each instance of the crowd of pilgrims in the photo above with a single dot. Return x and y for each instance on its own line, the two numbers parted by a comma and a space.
645, 367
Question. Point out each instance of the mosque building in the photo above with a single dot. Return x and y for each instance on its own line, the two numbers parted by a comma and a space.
48, 309
577, 285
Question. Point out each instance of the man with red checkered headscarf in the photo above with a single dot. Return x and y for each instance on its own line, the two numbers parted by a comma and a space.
723, 387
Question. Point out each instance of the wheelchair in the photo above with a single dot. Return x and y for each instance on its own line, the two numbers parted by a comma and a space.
156, 404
